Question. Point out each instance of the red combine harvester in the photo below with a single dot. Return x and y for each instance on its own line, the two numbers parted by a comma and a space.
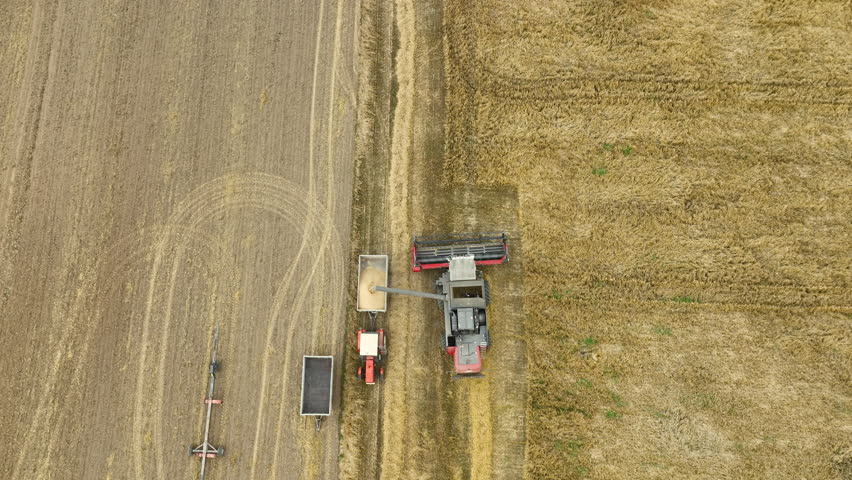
462, 290
372, 347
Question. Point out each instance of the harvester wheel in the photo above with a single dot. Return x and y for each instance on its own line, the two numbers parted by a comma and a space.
487, 293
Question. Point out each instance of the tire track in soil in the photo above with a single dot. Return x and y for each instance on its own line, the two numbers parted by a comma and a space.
362, 435
41, 422
14, 199
719, 306
605, 85
329, 250
138, 427
260, 191
132, 249
155, 414
160, 246
275, 195
285, 285
393, 451
30, 105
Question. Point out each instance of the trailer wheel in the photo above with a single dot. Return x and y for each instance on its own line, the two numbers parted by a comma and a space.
221, 451
191, 448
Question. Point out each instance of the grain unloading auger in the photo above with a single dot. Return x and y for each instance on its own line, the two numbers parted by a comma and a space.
462, 291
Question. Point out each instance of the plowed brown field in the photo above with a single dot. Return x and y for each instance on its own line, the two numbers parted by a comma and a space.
166, 167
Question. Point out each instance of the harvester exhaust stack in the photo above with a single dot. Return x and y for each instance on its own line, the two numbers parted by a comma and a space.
436, 251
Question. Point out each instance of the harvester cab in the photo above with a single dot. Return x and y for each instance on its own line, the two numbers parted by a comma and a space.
461, 290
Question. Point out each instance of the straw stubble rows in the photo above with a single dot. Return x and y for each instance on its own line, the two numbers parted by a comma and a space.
683, 176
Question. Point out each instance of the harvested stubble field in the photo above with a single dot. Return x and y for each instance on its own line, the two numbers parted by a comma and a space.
684, 181
167, 167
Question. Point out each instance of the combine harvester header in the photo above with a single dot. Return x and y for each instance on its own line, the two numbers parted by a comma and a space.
429, 252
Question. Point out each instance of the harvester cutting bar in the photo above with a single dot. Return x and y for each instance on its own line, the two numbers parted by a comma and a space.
436, 252
414, 293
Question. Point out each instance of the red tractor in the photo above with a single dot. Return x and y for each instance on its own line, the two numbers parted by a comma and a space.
372, 347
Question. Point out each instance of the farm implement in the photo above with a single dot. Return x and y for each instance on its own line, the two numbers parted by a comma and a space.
461, 290
206, 450
317, 386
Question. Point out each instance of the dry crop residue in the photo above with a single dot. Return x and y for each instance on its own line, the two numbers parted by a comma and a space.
683, 176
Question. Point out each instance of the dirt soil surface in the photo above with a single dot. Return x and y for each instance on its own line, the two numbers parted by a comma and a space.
167, 168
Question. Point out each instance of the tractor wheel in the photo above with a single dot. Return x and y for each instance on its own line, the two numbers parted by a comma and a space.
361, 373
382, 374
